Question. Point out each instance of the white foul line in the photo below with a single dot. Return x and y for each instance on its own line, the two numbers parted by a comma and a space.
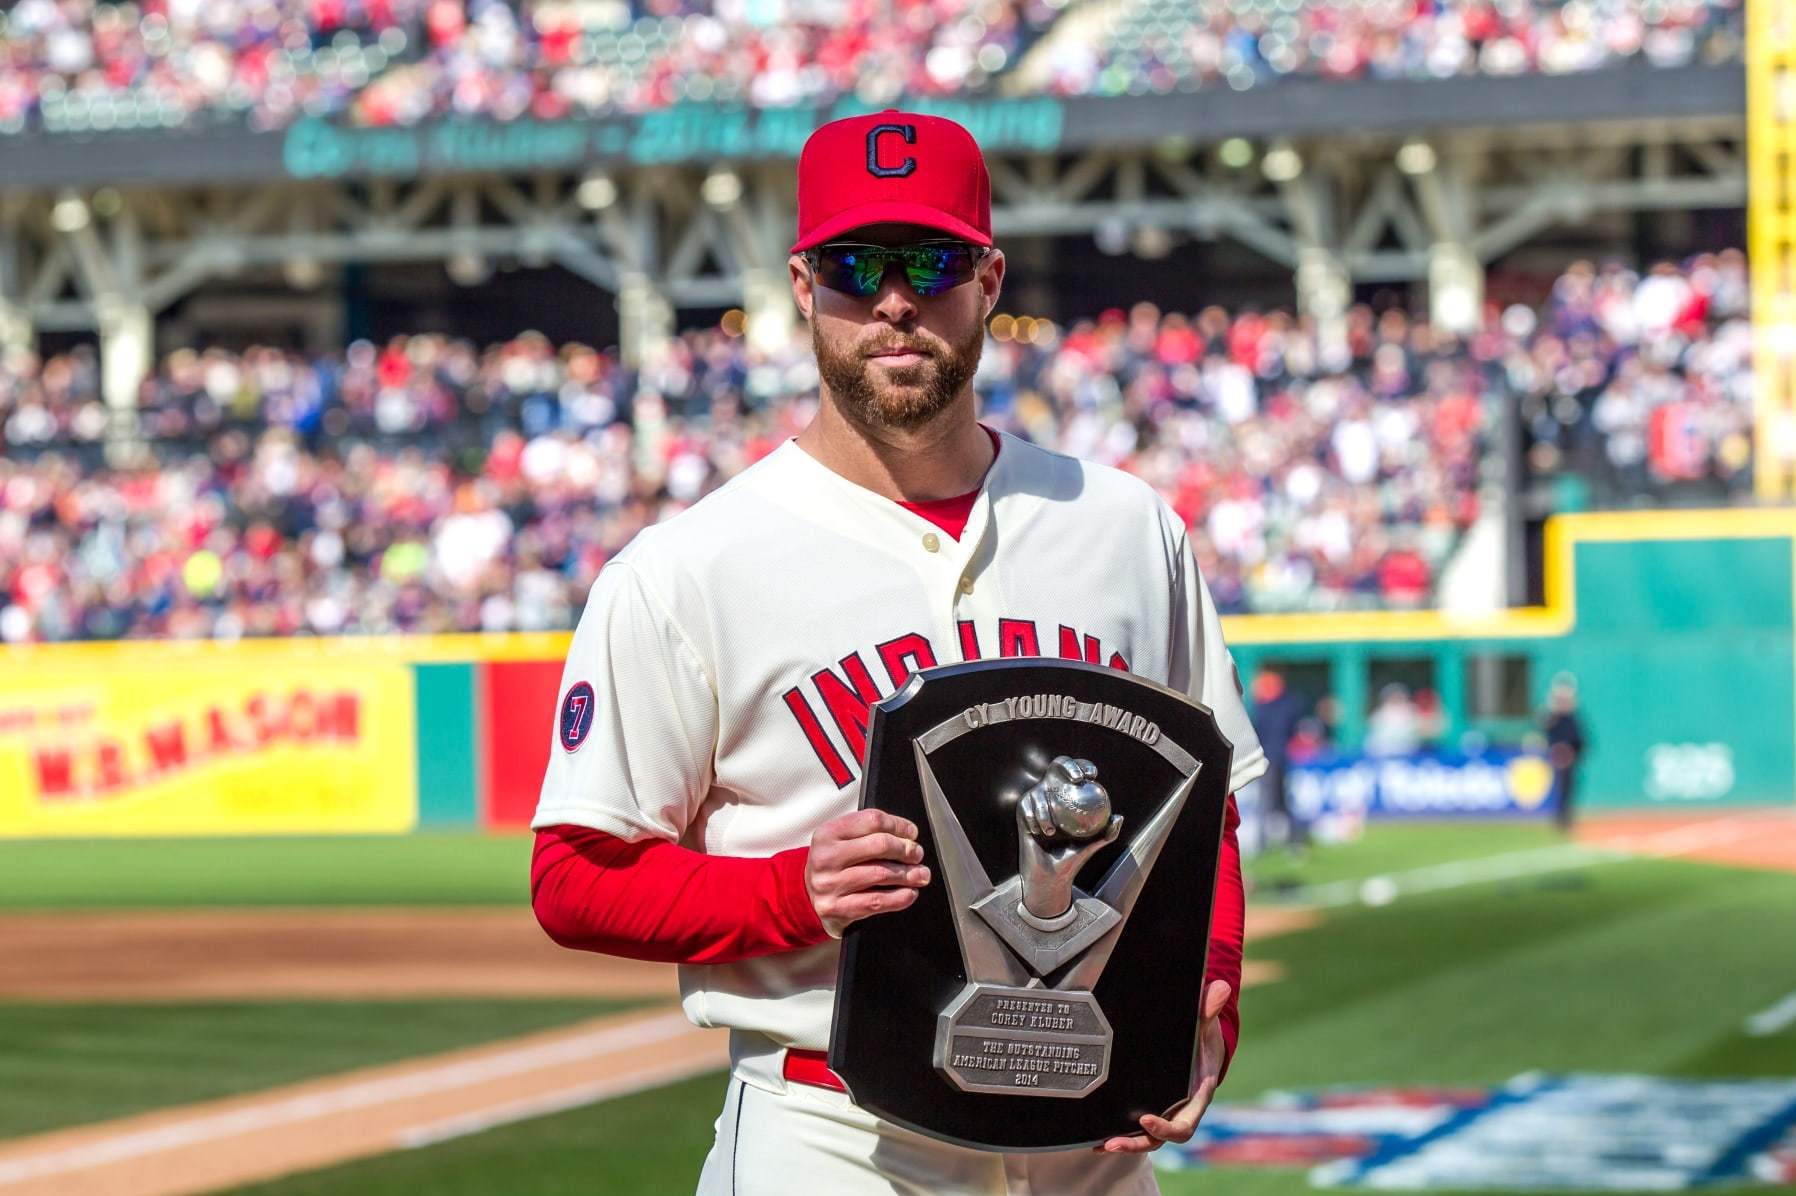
1455, 874
554, 1102
354, 1096
1535, 860
1767, 1022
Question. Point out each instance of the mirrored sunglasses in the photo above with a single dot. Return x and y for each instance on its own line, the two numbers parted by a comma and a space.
930, 267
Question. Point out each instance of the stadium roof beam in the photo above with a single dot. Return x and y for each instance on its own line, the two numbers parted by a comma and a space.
15, 323
1042, 195
1378, 203
1324, 287
1444, 194
1466, 202
656, 249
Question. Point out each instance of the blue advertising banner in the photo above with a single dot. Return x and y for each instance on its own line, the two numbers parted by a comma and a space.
1538, 1132
1497, 783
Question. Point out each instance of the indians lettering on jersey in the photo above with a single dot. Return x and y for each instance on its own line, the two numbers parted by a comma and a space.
847, 692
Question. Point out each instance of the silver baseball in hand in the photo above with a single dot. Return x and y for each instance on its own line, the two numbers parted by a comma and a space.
1069, 809
1067, 802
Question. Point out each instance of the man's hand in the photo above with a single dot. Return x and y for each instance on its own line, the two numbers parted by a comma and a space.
1209, 1071
864, 863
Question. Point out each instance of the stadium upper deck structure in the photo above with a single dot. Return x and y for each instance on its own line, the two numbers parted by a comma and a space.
671, 204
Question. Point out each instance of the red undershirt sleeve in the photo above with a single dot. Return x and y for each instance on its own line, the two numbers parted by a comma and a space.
1227, 921
659, 901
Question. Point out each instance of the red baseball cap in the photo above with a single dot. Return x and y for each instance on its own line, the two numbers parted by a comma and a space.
892, 167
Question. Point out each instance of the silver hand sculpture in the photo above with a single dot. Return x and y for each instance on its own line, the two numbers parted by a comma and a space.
1071, 810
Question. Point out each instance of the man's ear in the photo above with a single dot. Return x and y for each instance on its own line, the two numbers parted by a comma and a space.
991, 282
803, 288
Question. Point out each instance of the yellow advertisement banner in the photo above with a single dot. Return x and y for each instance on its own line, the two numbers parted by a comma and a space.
217, 744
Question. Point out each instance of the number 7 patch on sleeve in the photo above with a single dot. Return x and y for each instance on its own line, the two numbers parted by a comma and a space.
576, 716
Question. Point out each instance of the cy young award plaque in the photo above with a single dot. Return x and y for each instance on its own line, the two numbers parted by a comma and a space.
1043, 991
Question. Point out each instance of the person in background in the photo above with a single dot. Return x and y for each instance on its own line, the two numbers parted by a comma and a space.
1276, 713
1431, 717
1311, 739
1394, 728
1565, 743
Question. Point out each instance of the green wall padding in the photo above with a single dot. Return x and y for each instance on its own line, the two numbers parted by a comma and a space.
448, 764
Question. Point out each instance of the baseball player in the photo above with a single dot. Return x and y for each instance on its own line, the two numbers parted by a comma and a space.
700, 801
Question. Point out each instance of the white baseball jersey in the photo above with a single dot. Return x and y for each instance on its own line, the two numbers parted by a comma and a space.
718, 687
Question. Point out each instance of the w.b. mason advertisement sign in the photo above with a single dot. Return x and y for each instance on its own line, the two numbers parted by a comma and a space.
1042, 992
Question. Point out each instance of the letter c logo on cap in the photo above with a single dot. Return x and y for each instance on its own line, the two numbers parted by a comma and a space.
908, 132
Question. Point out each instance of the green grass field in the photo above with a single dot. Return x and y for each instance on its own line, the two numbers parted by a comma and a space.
71, 1064
1639, 966
429, 868
67, 1064
1642, 966
652, 1142
1394, 848
467, 868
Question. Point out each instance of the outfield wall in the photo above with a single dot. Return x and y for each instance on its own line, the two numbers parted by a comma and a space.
1678, 626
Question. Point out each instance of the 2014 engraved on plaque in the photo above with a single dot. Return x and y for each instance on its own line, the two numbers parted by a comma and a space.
1047, 1042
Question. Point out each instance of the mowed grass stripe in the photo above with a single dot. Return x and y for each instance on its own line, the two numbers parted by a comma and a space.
475, 868
1644, 966
1354, 976
652, 1142
1639, 966
63, 1065
1393, 847
427, 868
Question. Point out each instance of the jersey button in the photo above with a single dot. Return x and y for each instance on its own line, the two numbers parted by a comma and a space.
931, 542
966, 585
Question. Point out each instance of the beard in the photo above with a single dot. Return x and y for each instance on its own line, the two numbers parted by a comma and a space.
905, 398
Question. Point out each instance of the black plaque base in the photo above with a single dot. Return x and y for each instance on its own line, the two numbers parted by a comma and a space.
919, 1041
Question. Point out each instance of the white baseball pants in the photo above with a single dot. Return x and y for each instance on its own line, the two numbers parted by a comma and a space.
816, 1142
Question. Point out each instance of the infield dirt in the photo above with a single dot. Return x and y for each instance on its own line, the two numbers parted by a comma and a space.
1737, 838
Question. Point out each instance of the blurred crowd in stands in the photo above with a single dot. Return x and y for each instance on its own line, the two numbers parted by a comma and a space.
79, 64
1178, 45
87, 64
1637, 388
427, 485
